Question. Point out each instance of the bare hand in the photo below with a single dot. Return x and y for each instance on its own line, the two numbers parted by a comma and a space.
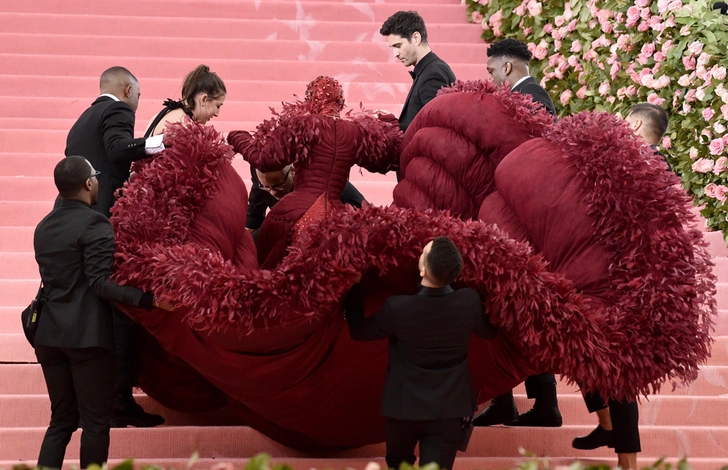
163, 304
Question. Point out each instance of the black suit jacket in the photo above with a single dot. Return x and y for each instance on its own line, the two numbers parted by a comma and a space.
260, 201
74, 248
104, 135
430, 74
429, 333
529, 86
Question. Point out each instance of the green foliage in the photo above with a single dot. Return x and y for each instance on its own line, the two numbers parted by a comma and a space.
608, 55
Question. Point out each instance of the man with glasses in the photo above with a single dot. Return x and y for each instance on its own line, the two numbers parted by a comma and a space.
74, 343
269, 188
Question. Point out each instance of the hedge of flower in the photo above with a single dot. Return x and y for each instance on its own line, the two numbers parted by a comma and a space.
607, 55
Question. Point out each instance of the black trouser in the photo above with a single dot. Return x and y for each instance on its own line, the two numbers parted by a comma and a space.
535, 383
439, 440
126, 342
625, 421
80, 385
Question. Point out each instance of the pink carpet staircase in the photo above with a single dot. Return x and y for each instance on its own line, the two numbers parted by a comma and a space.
52, 53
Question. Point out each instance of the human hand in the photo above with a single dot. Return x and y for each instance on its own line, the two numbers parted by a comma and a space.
163, 304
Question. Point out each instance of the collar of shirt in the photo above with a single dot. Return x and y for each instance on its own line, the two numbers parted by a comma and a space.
420, 66
109, 95
520, 81
432, 292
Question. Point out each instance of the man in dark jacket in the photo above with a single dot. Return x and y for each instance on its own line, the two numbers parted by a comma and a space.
508, 63
407, 35
428, 392
104, 134
74, 343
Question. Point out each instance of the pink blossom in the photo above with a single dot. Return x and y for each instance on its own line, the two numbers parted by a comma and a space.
592, 24
643, 3
704, 58
645, 14
484, 2
616, 67
568, 12
688, 62
703, 165
670, 22
657, 24
559, 20
541, 51
573, 61
690, 95
720, 192
631, 90
556, 34
604, 88
484, 25
685, 31
476, 16
659, 56
496, 19
702, 73
720, 90
566, 97
624, 42
527, 31
709, 189
648, 80
724, 111
535, 8
591, 55
716, 146
633, 16
675, 5
653, 98
548, 28
720, 165
662, 82
576, 46
611, 99
708, 114
572, 25
695, 47
684, 80
693, 153
520, 10
666, 142
686, 108
643, 27
725, 140
719, 73
700, 93
581, 92
666, 46
718, 127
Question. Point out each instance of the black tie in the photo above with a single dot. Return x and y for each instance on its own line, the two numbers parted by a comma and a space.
412, 73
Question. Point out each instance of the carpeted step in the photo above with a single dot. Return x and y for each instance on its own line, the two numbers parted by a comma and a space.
282, 11
661, 410
219, 27
18, 292
16, 239
24, 213
222, 442
212, 49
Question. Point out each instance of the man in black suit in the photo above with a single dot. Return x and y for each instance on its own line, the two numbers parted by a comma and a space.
269, 188
407, 35
104, 134
74, 248
508, 63
428, 393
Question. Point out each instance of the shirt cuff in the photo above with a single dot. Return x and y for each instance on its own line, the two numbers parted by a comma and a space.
154, 144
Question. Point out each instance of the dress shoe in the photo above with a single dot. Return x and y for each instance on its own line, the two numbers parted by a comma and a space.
500, 410
599, 437
134, 415
548, 417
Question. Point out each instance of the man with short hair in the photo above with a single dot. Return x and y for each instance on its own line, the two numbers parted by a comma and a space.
104, 134
269, 188
428, 391
649, 121
74, 342
508, 63
407, 36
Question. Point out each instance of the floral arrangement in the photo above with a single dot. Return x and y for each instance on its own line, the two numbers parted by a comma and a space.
608, 55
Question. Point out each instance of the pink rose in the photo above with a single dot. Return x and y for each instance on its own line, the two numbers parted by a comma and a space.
685, 31
573, 61
716, 147
724, 111
476, 17
484, 25
648, 80
703, 165
645, 14
666, 46
581, 92
548, 28
572, 25
643, 27
719, 73
535, 8
704, 58
695, 47
591, 55
700, 93
686, 108
690, 95
720, 165
484, 2
566, 97
616, 67
604, 88
541, 51
688, 62
631, 90
652, 98
720, 192
725, 139
674, 5
707, 133
520, 10
559, 21
568, 12
666, 142
684, 80
708, 114
693, 153
719, 128
576, 46
643, 3
633, 16
659, 56
670, 22
662, 82
624, 42
709, 189
496, 20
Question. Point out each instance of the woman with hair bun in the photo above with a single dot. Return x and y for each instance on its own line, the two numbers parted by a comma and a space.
203, 94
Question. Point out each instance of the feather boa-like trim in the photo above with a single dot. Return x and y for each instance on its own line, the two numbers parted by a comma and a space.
663, 290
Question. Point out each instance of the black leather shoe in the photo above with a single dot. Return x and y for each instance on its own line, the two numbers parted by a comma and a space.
599, 437
539, 417
500, 410
134, 415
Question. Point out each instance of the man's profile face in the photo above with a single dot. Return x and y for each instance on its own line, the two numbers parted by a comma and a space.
405, 50
94, 181
277, 183
499, 68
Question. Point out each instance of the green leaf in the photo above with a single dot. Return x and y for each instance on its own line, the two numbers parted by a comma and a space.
259, 462
193, 459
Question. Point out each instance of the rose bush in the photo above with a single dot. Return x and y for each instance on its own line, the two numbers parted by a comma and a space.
610, 54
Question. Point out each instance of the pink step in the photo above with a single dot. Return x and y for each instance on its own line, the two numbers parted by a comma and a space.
16, 238
18, 293
221, 27
227, 442
211, 49
717, 246
320, 11
24, 213
662, 410
28, 188
145, 67
18, 265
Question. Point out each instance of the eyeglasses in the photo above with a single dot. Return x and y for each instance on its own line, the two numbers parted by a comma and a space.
95, 174
278, 187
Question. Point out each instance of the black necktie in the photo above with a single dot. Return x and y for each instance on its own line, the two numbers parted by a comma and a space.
412, 73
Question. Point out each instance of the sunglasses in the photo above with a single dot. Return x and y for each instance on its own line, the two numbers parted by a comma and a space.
95, 174
278, 187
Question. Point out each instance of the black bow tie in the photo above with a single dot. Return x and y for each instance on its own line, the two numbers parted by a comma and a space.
412, 73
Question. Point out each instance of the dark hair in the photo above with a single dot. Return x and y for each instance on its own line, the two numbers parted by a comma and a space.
510, 48
115, 73
654, 117
444, 262
405, 24
70, 176
201, 80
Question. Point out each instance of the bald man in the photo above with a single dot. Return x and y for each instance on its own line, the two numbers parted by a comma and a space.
104, 135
